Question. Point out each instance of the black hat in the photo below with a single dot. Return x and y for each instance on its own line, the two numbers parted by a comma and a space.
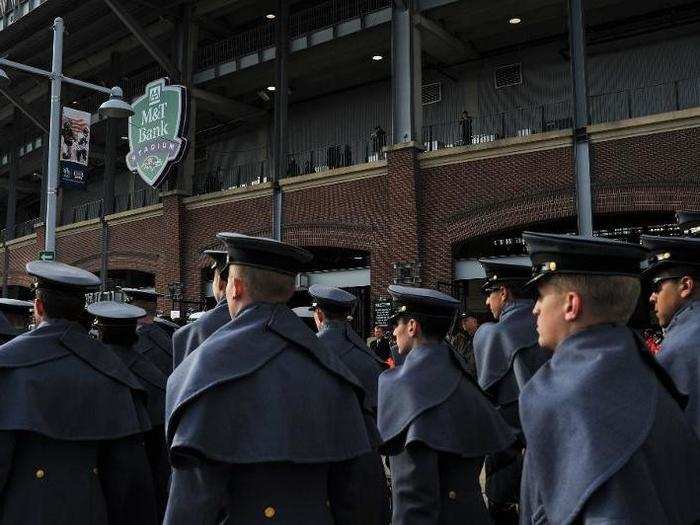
268, 254
688, 221
421, 303
331, 297
219, 259
305, 312
553, 254
665, 252
136, 294
112, 313
508, 271
52, 275
15, 305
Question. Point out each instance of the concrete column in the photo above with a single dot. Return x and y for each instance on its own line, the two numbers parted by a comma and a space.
12, 179
582, 162
186, 36
407, 108
280, 138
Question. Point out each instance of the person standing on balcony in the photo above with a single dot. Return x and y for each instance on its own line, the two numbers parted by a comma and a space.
606, 438
465, 128
188, 338
154, 342
436, 424
507, 355
263, 422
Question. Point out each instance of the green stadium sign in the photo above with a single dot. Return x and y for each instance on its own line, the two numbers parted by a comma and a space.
157, 131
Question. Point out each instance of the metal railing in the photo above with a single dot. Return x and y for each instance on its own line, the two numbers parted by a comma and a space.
603, 107
83, 212
332, 156
26, 227
645, 100
231, 177
138, 199
258, 38
482, 129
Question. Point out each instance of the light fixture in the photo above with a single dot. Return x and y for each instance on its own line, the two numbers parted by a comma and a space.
271, 88
377, 58
514, 21
116, 106
271, 16
4, 78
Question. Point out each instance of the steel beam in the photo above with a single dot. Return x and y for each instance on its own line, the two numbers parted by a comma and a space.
407, 75
279, 138
12, 183
230, 108
582, 163
454, 45
142, 36
17, 103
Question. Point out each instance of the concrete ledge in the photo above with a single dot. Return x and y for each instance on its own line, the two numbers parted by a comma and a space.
413, 144
336, 176
78, 227
498, 148
264, 189
20, 242
155, 210
635, 127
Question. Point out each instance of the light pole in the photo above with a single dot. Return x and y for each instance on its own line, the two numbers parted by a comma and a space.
115, 107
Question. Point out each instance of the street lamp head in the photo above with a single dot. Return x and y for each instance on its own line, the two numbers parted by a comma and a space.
116, 106
4, 78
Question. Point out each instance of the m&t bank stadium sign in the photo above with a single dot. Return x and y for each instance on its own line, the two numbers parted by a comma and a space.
157, 131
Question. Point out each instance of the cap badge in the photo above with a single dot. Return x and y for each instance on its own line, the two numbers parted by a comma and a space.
663, 256
403, 308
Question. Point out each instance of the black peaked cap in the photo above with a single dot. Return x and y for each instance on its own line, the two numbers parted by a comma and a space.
268, 254
666, 252
421, 303
112, 313
58, 276
553, 254
331, 296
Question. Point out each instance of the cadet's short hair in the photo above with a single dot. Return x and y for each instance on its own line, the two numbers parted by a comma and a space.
609, 298
335, 313
118, 335
264, 285
431, 327
62, 305
150, 305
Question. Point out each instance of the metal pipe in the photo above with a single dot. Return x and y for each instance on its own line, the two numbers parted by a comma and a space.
54, 137
88, 85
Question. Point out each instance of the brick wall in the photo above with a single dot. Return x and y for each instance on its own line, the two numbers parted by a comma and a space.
408, 214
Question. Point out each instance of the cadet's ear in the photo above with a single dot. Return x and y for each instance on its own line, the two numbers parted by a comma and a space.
235, 288
573, 306
687, 287
39, 308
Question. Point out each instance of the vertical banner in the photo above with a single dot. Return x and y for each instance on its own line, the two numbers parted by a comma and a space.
75, 147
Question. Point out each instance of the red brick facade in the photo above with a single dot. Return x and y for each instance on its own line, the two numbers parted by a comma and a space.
404, 213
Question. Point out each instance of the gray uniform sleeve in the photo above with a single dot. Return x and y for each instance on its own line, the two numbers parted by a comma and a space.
7, 450
416, 486
197, 495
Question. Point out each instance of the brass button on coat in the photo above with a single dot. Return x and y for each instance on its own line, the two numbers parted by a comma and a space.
40, 474
270, 512
452, 494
